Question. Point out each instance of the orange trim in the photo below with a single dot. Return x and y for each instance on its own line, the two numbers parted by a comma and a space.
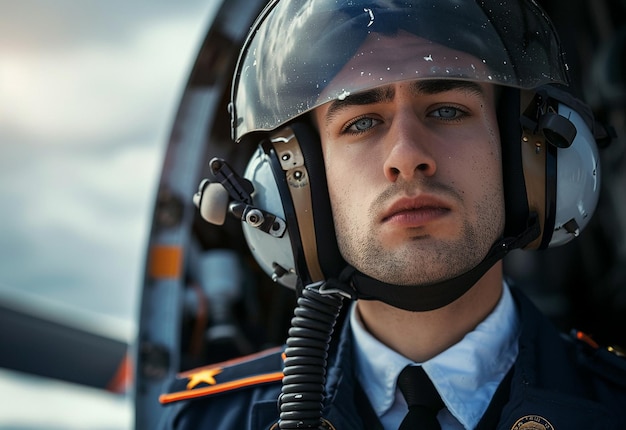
123, 378
226, 386
166, 261
231, 362
587, 339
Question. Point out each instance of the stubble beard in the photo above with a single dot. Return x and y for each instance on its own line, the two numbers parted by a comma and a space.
424, 260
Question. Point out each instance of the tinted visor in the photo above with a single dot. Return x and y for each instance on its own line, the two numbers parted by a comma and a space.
303, 53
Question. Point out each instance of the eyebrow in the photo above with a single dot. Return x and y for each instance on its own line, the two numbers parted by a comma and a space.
436, 86
387, 94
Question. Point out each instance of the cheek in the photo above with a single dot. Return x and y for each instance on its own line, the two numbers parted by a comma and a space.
342, 188
487, 157
475, 159
335, 178
336, 186
349, 177
477, 170
495, 159
330, 166
491, 187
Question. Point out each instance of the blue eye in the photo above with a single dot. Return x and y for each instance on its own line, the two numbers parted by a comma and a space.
448, 112
362, 124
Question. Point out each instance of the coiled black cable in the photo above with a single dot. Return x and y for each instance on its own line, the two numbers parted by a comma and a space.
302, 396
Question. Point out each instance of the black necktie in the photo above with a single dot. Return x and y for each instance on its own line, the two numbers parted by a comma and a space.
422, 397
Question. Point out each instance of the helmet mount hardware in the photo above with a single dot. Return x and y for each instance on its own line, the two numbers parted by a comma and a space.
213, 201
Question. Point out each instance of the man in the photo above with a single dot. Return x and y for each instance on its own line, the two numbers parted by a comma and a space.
406, 147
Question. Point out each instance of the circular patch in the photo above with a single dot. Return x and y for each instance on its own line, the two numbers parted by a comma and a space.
532, 422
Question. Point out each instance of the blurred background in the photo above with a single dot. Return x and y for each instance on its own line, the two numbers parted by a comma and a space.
88, 95
93, 98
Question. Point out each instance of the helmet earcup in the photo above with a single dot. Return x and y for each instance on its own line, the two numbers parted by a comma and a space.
561, 166
273, 254
288, 175
577, 181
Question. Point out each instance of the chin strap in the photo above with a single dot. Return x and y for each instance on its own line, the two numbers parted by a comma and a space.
420, 298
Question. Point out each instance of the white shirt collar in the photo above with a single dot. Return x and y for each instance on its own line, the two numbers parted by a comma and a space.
466, 375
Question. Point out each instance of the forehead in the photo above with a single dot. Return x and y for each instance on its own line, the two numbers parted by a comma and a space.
383, 59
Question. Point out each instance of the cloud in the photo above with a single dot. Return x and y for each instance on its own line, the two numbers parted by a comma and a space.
88, 94
66, 24
99, 93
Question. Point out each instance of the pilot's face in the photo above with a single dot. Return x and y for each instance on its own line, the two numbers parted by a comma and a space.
414, 177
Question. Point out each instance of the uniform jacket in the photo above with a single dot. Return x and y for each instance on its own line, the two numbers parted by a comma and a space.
557, 382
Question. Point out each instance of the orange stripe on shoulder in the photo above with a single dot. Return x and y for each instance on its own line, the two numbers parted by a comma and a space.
221, 388
231, 362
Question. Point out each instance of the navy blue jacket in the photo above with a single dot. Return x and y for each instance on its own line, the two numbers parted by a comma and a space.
557, 382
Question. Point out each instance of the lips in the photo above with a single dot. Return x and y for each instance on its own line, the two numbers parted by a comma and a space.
415, 211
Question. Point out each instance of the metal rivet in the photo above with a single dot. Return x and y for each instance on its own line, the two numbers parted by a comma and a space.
255, 218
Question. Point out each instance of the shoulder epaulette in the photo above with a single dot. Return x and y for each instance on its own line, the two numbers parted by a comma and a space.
249, 371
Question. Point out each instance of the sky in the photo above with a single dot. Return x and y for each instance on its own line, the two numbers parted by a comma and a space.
88, 95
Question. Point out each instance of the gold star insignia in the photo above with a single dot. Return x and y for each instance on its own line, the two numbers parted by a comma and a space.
207, 376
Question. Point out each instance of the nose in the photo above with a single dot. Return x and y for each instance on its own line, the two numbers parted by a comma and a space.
408, 153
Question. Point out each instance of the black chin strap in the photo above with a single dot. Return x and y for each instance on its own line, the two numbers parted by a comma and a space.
420, 298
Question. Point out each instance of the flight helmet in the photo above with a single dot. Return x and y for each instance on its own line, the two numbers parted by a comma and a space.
301, 54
